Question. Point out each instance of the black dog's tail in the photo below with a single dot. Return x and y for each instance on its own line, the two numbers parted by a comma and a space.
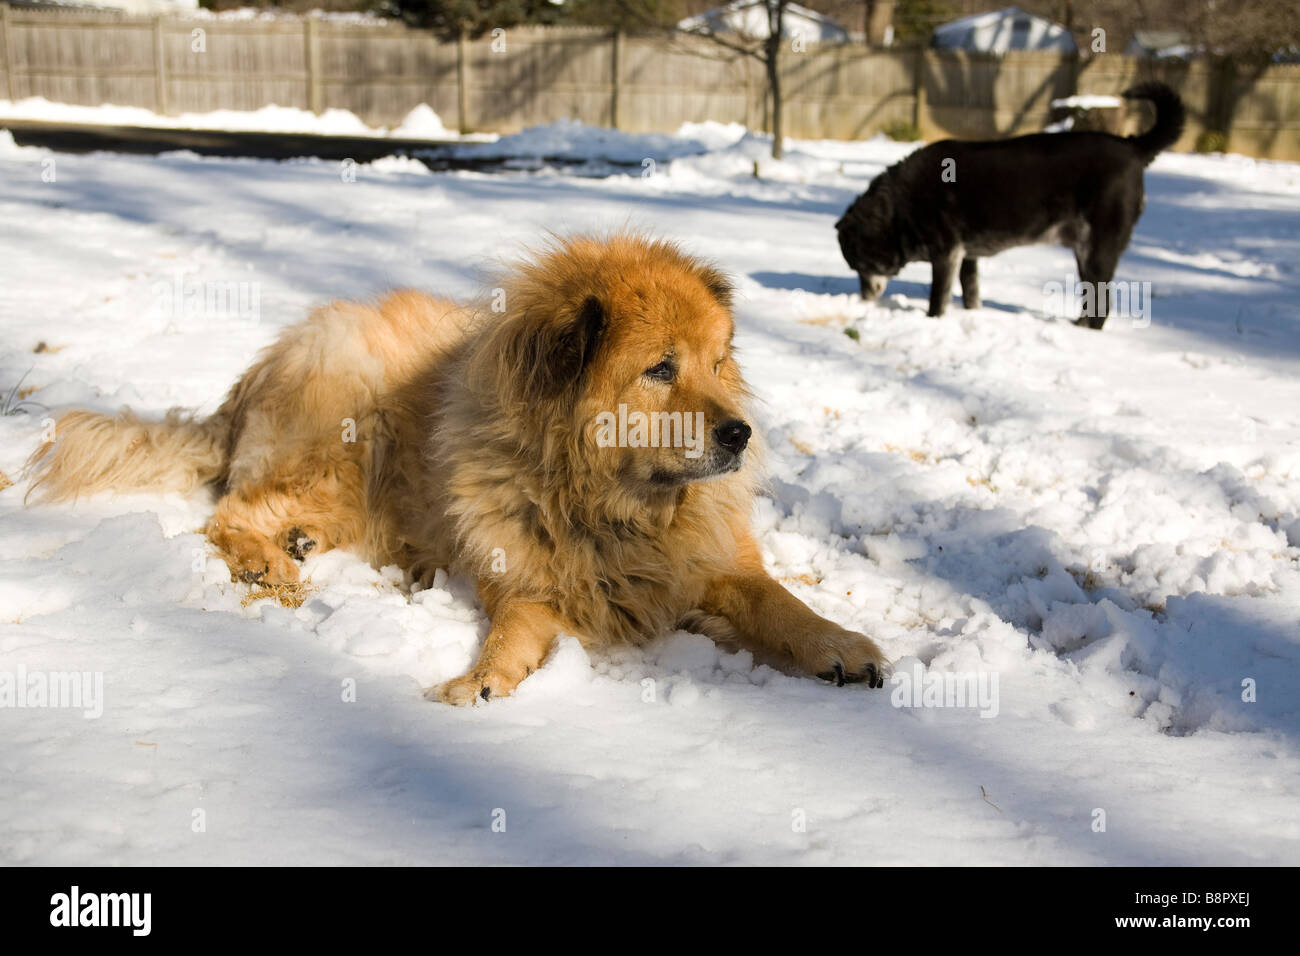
1170, 117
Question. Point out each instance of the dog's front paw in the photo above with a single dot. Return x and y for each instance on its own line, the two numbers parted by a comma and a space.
477, 685
268, 569
846, 657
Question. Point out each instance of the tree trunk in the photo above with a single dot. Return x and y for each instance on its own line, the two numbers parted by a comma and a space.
772, 60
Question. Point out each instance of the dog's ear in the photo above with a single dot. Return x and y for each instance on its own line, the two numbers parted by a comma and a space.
577, 344
718, 285
557, 353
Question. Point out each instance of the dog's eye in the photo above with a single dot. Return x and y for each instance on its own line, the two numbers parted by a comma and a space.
717, 366
663, 372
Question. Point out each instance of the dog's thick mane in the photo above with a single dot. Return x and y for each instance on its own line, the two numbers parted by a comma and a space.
532, 501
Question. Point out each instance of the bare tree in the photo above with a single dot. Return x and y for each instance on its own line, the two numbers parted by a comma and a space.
765, 49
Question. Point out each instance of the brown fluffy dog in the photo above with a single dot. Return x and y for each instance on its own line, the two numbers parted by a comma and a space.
419, 433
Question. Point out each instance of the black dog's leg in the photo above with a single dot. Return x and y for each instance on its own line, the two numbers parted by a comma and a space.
942, 268
1092, 314
1110, 224
1096, 269
970, 283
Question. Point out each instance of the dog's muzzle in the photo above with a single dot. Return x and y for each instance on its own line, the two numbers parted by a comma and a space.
873, 286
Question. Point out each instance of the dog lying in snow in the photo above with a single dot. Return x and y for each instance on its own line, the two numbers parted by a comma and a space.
483, 444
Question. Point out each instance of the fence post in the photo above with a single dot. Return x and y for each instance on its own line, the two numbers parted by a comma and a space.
616, 79
8, 51
159, 67
312, 55
462, 80
1220, 99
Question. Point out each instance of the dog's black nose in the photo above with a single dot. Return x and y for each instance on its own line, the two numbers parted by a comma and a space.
733, 435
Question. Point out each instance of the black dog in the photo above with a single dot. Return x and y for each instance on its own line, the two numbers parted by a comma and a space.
952, 202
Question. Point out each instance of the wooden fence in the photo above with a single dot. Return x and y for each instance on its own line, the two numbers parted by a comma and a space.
527, 76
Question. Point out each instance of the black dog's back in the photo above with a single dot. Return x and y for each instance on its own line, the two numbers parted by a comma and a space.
953, 201
1005, 193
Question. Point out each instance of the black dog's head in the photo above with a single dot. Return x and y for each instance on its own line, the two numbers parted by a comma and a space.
868, 238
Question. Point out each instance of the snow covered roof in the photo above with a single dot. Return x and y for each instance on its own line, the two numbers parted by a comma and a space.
749, 18
1003, 30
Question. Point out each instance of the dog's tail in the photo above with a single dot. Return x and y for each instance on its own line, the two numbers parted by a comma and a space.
1170, 117
93, 452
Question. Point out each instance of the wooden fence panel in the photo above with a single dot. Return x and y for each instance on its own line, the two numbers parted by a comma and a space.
847, 92
666, 84
381, 75
981, 96
525, 77
236, 66
1266, 114
81, 60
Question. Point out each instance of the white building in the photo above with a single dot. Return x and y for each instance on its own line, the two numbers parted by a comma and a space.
1001, 31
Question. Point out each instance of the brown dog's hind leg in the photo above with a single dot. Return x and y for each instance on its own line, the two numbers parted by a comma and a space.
521, 636
252, 556
262, 528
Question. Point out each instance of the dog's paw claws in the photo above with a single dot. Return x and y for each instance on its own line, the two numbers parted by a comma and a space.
835, 675
471, 689
871, 675
852, 659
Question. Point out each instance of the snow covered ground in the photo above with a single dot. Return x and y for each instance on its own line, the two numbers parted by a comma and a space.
421, 123
1108, 523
